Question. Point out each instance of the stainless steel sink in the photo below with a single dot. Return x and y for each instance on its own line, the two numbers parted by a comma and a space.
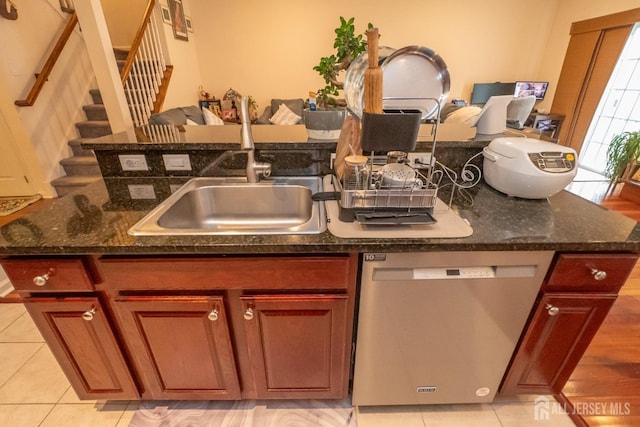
231, 206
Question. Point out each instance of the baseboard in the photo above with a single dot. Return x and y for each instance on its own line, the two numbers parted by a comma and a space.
568, 406
5, 287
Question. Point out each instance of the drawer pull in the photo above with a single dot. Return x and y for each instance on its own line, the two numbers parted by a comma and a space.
88, 315
42, 280
213, 315
598, 274
552, 310
248, 315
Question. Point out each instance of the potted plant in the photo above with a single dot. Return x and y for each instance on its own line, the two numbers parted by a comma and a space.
622, 154
326, 121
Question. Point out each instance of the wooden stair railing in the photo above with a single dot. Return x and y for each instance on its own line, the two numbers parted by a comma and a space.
42, 77
145, 73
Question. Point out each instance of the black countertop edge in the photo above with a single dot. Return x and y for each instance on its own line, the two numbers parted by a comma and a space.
344, 247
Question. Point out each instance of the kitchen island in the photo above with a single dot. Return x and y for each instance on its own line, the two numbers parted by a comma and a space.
272, 316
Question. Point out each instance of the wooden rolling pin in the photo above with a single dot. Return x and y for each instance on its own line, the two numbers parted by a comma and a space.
373, 76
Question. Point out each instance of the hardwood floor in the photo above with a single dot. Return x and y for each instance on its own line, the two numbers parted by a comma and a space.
605, 386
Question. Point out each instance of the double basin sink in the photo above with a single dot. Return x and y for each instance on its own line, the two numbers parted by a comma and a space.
232, 206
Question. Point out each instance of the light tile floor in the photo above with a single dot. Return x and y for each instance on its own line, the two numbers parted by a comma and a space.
34, 392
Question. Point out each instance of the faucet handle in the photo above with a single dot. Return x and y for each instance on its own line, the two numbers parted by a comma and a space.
262, 169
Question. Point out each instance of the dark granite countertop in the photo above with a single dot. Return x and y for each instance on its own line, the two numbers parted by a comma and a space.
88, 222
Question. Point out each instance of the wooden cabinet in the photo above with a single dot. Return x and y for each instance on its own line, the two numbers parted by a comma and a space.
236, 327
60, 296
574, 301
180, 345
298, 345
79, 335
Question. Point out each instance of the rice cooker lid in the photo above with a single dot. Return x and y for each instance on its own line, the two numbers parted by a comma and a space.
527, 154
512, 147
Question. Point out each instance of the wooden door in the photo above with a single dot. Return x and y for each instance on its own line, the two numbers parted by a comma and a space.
562, 327
181, 346
80, 337
297, 345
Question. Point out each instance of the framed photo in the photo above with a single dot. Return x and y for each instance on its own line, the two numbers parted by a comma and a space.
187, 20
179, 22
166, 14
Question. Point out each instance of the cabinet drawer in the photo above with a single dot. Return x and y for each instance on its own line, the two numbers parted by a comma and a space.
313, 272
46, 275
591, 272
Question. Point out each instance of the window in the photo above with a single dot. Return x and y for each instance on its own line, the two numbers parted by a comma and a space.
619, 107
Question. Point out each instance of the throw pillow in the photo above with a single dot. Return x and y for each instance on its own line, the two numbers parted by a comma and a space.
210, 118
296, 105
284, 116
191, 122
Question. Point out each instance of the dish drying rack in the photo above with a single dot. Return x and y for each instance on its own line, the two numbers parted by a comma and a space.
398, 202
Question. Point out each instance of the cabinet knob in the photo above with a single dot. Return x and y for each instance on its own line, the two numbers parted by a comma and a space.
249, 313
41, 280
88, 315
598, 274
213, 315
552, 310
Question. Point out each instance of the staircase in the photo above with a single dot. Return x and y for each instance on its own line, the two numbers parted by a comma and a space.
82, 168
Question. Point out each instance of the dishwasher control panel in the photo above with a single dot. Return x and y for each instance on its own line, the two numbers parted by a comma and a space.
454, 273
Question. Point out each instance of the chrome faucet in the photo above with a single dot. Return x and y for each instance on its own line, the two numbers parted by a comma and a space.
255, 170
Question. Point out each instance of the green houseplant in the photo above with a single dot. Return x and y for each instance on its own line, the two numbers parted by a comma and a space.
326, 122
622, 154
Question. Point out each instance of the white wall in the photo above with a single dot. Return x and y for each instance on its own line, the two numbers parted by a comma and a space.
123, 19
268, 49
186, 79
50, 123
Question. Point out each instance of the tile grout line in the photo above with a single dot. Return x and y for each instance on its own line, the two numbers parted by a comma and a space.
24, 364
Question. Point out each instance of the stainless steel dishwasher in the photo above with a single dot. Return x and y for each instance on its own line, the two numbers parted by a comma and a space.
441, 327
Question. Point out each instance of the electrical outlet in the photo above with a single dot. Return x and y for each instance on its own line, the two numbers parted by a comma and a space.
133, 162
176, 162
141, 191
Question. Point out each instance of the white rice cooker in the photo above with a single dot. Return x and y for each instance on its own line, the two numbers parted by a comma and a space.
528, 168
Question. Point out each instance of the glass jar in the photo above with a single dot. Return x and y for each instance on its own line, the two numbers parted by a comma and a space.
356, 174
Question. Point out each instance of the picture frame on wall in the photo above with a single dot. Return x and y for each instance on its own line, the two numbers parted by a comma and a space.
166, 14
187, 20
179, 22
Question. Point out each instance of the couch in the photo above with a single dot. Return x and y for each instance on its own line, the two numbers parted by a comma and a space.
270, 115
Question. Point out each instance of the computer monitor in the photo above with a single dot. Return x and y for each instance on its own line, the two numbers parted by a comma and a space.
483, 91
538, 89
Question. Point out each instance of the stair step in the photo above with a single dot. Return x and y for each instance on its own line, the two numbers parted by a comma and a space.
77, 149
80, 165
95, 112
96, 96
67, 184
121, 54
94, 128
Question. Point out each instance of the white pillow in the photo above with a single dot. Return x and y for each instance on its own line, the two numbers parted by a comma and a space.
191, 122
210, 118
284, 116
464, 115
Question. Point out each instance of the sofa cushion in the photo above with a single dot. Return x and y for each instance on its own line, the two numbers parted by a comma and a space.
177, 116
174, 116
194, 113
284, 116
295, 105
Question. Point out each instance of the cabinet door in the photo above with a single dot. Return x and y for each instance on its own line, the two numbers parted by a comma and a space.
297, 345
181, 346
79, 335
562, 327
